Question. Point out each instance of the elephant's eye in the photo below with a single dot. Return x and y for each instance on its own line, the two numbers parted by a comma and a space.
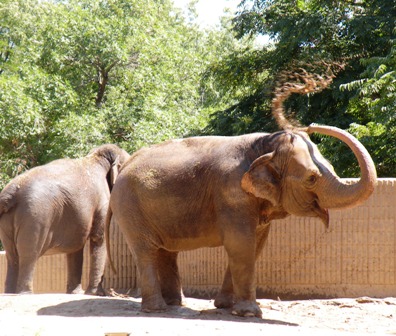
311, 180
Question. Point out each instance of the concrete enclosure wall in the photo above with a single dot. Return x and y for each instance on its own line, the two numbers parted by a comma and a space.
355, 257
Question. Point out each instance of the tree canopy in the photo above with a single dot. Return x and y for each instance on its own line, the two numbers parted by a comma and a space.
78, 73
359, 35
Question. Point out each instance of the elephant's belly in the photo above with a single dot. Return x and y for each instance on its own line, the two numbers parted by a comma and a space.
191, 243
61, 250
65, 247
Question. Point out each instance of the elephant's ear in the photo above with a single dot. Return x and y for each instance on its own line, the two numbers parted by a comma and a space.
262, 180
114, 171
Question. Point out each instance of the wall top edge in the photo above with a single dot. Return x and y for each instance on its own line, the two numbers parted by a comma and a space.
380, 180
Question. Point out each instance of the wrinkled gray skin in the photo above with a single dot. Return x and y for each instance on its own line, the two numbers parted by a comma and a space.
212, 191
57, 208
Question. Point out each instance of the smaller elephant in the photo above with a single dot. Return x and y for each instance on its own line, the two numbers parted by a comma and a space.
56, 208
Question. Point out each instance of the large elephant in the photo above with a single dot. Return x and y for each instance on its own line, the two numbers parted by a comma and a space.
212, 191
56, 208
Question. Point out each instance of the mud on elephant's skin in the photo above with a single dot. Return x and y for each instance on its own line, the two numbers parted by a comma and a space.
212, 191
56, 208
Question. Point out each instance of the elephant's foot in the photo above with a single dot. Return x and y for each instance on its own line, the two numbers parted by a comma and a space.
174, 301
154, 305
247, 309
24, 288
23, 292
74, 289
98, 291
10, 289
224, 300
173, 298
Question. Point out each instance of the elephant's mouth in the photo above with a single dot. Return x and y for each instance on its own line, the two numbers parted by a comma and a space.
307, 205
314, 210
323, 214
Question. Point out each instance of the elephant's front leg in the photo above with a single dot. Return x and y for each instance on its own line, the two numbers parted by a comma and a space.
225, 297
74, 272
97, 265
242, 267
240, 246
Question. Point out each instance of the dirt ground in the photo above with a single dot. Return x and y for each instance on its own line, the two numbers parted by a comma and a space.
61, 314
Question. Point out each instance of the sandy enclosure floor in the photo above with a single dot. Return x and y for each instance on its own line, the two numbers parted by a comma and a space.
61, 314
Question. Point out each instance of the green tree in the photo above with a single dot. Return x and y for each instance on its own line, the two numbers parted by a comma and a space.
374, 106
75, 74
20, 116
306, 33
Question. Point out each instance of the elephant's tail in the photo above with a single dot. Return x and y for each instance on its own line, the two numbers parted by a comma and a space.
8, 198
107, 237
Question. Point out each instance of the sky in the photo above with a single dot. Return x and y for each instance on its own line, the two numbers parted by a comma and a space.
209, 11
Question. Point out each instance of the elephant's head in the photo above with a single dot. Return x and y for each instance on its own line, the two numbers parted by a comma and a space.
298, 178
111, 158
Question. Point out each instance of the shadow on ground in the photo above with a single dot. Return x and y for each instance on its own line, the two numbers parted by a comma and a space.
112, 307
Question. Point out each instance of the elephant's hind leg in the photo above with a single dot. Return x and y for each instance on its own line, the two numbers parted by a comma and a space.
169, 277
225, 297
147, 262
12, 268
74, 272
12, 278
96, 268
27, 265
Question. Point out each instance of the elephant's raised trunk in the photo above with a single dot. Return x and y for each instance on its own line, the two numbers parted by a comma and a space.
347, 195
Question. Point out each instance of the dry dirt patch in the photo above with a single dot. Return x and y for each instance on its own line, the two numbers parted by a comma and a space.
61, 314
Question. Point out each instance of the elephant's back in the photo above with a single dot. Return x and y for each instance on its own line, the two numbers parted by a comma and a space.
169, 164
51, 187
184, 169
184, 158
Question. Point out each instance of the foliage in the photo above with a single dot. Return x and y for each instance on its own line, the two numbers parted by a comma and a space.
75, 74
374, 107
304, 33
